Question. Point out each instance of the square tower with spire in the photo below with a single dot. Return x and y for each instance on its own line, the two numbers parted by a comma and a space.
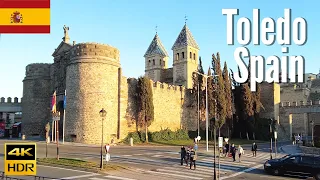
156, 59
185, 58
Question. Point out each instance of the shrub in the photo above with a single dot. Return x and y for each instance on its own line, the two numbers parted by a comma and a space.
162, 135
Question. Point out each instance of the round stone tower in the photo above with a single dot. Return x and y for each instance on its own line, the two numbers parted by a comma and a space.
91, 84
36, 99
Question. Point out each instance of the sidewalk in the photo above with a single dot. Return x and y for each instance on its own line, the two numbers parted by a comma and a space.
290, 149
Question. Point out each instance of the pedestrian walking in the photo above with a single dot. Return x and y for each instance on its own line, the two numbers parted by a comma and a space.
254, 149
193, 158
187, 157
233, 151
227, 148
183, 154
240, 152
195, 147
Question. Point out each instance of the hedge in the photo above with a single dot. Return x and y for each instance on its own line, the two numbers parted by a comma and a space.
162, 135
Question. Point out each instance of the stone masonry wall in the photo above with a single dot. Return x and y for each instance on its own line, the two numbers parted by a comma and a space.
291, 93
92, 84
36, 99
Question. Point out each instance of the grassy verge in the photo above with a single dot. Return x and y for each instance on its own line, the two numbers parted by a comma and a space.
76, 163
189, 142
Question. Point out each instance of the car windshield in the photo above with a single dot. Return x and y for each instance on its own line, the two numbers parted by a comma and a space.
284, 157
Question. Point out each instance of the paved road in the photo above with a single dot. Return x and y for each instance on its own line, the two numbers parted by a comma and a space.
155, 162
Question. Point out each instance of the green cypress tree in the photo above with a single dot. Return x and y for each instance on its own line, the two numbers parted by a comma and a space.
211, 101
219, 92
145, 104
228, 96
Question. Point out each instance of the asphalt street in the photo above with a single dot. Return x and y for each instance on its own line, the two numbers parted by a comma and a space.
157, 162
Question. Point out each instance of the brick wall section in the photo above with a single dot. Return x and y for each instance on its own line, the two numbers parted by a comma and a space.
36, 99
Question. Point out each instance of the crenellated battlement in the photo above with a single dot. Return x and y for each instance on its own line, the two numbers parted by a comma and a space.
95, 50
38, 70
301, 103
160, 85
10, 100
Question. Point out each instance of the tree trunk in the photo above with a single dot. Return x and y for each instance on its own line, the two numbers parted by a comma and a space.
147, 141
254, 136
240, 135
248, 136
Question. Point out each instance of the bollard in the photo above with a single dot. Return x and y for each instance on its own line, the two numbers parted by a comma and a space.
131, 141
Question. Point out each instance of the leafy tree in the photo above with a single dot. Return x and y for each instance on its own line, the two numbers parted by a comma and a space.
228, 96
145, 104
219, 92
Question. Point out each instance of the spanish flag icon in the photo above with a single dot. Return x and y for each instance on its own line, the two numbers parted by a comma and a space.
24, 16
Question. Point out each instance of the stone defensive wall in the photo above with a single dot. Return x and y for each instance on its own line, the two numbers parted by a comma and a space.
36, 103
10, 100
10, 104
92, 82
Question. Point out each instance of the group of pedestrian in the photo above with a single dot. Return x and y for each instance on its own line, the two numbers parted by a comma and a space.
233, 151
188, 156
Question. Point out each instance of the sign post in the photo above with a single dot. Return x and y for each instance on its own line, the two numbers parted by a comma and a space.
56, 118
220, 146
275, 143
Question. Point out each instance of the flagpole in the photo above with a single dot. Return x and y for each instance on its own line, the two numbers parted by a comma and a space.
64, 115
52, 130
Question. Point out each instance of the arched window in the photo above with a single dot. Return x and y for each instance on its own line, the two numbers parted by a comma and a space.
190, 55
160, 61
194, 56
177, 56
164, 63
149, 62
154, 63
182, 55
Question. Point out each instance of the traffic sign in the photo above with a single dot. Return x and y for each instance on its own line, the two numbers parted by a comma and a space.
220, 142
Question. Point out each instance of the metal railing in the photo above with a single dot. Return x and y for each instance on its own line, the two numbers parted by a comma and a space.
3, 176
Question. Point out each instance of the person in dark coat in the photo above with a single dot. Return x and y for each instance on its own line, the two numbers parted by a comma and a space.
233, 151
193, 157
183, 154
254, 149
227, 146
187, 157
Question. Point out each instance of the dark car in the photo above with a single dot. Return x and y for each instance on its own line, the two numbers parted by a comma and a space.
295, 164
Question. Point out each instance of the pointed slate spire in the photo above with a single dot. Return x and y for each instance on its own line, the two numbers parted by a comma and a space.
156, 47
185, 38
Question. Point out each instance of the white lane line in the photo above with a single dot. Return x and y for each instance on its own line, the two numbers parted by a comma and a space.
170, 174
221, 166
227, 161
185, 173
159, 155
116, 177
80, 176
241, 172
128, 155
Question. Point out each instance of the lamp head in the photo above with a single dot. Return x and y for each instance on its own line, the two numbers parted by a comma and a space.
103, 113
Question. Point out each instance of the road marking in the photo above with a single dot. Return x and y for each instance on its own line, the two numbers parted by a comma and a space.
273, 177
241, 172
80, 176
126, 155
159, 155
121, 178
68, 169
170, 174
185, 173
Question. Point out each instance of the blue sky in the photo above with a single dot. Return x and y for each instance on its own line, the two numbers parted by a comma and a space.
130, 26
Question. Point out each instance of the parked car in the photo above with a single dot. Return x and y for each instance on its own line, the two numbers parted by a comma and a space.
295, 164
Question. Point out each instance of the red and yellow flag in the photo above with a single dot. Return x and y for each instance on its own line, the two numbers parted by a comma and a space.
24, 16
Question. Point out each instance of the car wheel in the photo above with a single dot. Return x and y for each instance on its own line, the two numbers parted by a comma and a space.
276, 172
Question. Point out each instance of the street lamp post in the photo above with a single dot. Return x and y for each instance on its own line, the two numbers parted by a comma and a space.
271, 122
103, 114
198, 110
312, 127
207, 114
